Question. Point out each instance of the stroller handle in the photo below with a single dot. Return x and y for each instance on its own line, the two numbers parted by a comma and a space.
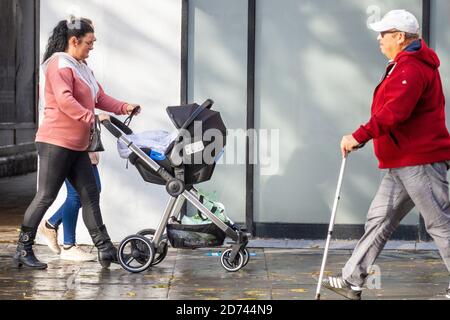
114, 125
207, 104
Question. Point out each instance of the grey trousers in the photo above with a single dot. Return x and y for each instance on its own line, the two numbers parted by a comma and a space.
424, 187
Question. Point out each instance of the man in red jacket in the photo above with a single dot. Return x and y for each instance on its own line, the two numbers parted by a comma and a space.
411, 141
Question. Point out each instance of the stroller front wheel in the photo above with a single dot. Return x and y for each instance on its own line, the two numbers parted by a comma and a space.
232, 266
246, 255
136, 253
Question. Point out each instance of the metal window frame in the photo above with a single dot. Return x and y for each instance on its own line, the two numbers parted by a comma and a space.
423, 235
184, 52
251, 67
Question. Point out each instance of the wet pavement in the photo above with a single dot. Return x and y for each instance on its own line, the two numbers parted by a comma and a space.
278, 269
16, 193
272, 274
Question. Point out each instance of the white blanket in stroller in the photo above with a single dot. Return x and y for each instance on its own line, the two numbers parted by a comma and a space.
157, 140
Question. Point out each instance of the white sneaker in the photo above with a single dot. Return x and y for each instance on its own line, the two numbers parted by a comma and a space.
75, 253
50, 236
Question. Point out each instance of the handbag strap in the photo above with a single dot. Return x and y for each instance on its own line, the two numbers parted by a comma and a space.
97, 124
128, 120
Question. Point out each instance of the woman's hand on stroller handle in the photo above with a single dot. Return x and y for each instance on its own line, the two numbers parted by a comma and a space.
134, 109
103, 117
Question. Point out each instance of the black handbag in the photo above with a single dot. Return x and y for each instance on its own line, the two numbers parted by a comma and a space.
95, 142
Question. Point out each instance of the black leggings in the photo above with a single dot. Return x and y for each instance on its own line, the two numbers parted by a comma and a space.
55, 165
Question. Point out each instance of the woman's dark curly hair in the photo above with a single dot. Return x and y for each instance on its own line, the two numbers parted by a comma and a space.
66, 29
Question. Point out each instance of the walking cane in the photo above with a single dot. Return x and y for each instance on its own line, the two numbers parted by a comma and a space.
333, 219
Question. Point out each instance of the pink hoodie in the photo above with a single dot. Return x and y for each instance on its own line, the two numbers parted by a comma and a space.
69, 108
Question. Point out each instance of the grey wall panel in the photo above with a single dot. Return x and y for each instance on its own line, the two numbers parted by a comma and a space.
317, 65
136, 59
218, 70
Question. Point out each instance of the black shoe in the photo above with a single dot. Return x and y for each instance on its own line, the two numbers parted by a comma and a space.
341, 287
24, 256
107, 252
108, 256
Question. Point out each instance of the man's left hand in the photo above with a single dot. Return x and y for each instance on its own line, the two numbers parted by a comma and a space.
348, 144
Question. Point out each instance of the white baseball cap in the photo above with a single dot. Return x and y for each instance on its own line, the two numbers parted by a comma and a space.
400, 20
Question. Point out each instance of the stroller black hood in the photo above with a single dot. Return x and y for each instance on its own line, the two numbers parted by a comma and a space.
199, 166
210, 119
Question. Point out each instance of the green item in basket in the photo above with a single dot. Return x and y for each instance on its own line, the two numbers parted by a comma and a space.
209, 200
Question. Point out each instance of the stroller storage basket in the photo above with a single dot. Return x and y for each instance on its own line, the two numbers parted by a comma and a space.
183, 236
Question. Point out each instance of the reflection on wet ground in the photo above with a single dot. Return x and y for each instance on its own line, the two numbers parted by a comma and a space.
279, 274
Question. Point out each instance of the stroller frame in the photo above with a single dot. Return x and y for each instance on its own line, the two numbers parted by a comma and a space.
232, 259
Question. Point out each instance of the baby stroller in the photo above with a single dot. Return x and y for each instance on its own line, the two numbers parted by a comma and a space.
179, 169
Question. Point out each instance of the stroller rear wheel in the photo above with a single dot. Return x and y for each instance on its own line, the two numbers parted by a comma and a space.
232, 266
136, 253
161, 251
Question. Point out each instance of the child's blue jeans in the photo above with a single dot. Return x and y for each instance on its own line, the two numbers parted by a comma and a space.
67, 214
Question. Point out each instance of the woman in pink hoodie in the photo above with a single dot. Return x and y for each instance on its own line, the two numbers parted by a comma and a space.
71, 93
